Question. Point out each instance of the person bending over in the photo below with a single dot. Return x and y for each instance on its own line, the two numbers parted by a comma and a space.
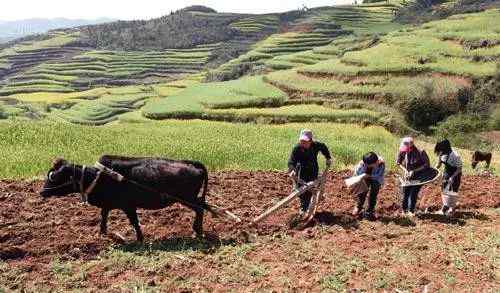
303, 163
452, 170
373, 167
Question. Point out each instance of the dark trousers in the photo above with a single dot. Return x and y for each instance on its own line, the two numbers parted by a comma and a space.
410, 196
455, 185
372, 199
305, 200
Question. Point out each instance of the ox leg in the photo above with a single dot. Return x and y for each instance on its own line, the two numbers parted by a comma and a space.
198, 222
134, 220
104, 221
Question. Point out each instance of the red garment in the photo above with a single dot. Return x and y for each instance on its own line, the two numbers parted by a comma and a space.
413, 159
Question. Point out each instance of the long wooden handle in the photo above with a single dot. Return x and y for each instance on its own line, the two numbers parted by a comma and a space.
293, 195
284, 201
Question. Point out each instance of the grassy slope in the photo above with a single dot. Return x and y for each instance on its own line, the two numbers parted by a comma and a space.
191, 102
27, 148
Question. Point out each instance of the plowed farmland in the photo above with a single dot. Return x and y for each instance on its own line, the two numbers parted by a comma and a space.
54, 244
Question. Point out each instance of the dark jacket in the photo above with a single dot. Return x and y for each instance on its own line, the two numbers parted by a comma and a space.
413, 159
308, 160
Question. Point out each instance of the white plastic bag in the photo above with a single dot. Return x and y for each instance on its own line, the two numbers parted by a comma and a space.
357, 184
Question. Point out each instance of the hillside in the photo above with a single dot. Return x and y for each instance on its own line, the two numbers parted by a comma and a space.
233, 91
352, 64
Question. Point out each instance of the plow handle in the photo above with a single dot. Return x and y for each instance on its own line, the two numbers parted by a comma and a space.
284, 201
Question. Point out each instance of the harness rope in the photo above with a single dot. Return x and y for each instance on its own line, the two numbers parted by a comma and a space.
120, 178
84, 192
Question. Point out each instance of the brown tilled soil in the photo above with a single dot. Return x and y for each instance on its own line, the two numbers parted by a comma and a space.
35, 232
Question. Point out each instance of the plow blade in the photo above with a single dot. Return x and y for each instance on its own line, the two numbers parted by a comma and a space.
224, 213
311, 211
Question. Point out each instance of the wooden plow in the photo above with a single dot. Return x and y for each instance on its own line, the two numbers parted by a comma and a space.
318, 184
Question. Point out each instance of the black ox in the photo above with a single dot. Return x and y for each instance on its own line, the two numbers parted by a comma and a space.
147, 183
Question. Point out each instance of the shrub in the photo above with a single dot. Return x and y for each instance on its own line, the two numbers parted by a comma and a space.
462, 130
464, 96
495, 119
486, 95
234, 72
426, 107
396, 124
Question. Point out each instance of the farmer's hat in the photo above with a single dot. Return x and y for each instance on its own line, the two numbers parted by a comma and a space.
306, 135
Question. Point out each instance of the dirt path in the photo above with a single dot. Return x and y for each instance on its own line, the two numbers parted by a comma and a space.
35, 231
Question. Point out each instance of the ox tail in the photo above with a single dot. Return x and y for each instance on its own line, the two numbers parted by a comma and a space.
205, 178
202, 198
214, 210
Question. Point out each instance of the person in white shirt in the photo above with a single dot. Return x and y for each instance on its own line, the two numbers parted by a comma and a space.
452, 175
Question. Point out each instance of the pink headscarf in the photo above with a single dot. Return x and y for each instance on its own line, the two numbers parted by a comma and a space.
403, 148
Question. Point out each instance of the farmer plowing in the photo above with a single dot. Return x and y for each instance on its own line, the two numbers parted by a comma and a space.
417, 173
155, 183
368, 179
303, 168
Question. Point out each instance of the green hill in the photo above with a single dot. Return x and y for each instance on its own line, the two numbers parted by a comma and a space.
355, 64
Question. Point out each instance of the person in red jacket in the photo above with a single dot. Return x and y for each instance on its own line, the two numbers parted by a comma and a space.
412, 161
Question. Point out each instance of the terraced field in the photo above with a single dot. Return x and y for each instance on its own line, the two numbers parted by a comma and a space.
370, 18
317, 28
103, 105
403, 59
296, 113
257, 24
328, 65
276, 45
108, 68
190, 103
55, 46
